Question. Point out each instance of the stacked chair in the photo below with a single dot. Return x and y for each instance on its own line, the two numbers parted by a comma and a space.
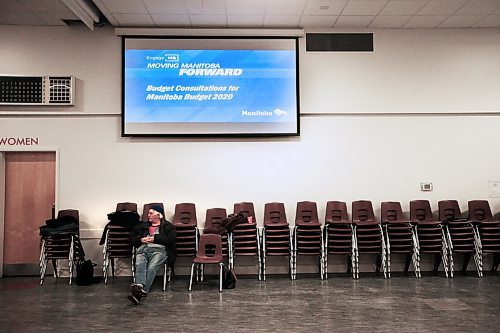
214, 219
244, 238
486, 230
117, 237
61, 243
399, 236
368, 233
186, 225
307, 235
276, 235
430, 234
460, 235
339, 235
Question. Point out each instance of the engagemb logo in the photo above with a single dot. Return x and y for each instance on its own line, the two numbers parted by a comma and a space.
171, 57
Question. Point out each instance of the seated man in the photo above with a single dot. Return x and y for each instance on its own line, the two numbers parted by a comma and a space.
155, 244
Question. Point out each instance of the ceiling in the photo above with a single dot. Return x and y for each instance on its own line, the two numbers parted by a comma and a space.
264, 14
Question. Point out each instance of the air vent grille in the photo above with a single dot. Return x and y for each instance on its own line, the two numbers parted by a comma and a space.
37, 90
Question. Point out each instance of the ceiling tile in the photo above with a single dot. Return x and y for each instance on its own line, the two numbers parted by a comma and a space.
281, 21
44, 5
246, 6
403, 7
285, 8
353, 21
441, 7
245, 21
476, 7
317, 21
266, 13
425, 21
165, 7
20, 18
112, 20
134, 19
55, 18
460, 21
9, 5
166, 20
204, 7
215, 21
389, 21
324, 7
490, 21
363, 7
125, 6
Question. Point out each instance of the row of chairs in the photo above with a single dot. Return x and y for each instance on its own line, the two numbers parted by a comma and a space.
474, 235
452, 233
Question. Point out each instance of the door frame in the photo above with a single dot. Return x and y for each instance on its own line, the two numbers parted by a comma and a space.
3, 151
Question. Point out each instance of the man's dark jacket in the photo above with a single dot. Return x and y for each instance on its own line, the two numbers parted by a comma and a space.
166, 237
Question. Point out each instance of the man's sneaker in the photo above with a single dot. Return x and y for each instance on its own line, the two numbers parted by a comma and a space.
137, 290
134, 299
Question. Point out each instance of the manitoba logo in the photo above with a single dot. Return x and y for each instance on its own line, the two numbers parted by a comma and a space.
279, 112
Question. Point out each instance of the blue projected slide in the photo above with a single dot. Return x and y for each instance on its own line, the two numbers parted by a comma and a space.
200, 91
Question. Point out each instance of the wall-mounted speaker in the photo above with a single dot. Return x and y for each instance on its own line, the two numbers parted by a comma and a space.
339, 42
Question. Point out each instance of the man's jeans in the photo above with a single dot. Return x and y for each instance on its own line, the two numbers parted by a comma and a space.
148, 259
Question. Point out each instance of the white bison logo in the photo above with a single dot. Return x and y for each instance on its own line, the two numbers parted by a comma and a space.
279, 112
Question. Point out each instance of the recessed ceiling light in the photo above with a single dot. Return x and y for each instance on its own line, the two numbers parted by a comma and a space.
324, 7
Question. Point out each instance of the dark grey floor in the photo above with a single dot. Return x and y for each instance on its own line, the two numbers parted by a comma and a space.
340, 304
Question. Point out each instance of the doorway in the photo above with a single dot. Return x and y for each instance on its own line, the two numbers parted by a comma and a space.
30, 179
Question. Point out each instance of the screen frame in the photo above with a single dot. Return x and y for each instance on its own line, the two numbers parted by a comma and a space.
215, 135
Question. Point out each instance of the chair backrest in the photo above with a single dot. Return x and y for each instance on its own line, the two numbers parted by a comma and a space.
420, 211
246, 208
479, 210
362, 211
128, 206
448, 210
336, 211
214, 217
210, 245
146, 208
306, 213
73, 213
274, 213
185, 214
390, 211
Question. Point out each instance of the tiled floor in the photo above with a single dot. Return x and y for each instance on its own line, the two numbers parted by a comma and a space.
340, 304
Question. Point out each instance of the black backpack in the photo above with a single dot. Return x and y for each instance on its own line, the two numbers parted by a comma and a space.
85, 273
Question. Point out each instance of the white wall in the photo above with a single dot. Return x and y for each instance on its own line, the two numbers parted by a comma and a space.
410, 71
94, 58
374, 125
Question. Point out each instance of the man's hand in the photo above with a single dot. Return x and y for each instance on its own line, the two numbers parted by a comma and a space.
147, 240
